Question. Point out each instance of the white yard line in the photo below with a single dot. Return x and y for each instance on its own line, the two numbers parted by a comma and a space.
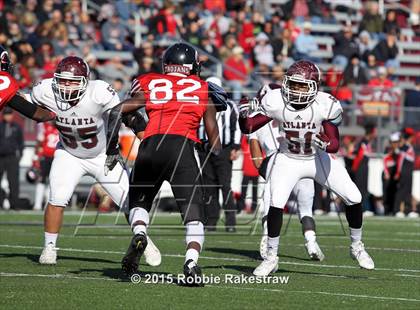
315, 292
232, 259
271, 290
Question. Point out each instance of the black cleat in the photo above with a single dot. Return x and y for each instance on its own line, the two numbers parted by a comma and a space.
130, 262
192, 272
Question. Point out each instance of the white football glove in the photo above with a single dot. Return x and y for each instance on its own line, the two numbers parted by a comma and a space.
321, 141
248, 106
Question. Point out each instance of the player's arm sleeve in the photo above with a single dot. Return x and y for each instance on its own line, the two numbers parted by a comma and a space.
136, 99
135, 121
218, 95
212, 129
331, 130
113, 129
30, 110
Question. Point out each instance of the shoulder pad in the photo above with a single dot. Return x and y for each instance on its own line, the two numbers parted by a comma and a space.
218, 95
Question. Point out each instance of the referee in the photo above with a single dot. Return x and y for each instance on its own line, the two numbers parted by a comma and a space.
217, 170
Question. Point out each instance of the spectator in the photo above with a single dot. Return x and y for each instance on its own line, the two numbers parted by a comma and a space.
344, 46
412, 100
263, 51
372, 20
386, 51
283, 47
165, 22
305, 44
403, 198
391, 175
359, 168
207, 46
226, 50
193, 34
382, 79
44, 11
120, 87
11, 149
87, 30
93, 67
236, 72
390, 23
115, 68
355, 73
277, 74
371, 66
114, 34
365, 45
125, 8
146, 65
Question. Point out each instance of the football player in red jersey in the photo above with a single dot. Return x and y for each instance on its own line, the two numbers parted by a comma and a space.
175, 102
47, 139
9, 93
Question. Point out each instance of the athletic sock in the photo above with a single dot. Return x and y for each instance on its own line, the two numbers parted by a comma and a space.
310, 236
50, 238
354, 215
139, 229
273, 246
355, 234
192, 254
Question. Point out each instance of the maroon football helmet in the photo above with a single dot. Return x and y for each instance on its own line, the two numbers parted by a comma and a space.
301, 83
70, 81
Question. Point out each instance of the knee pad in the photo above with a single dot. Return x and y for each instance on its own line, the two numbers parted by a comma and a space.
194, 233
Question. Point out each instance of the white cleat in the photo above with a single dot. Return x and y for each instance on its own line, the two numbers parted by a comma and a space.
268, 265
263, 246
358, 252
152, 254
48, 255
413, 215
314, 251
400, 214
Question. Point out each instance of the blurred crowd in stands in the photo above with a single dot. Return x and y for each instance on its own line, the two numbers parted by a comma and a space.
255, 41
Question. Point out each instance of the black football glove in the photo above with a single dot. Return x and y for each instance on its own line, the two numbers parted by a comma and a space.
111, 161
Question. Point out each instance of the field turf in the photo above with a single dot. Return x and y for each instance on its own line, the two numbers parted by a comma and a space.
88, 274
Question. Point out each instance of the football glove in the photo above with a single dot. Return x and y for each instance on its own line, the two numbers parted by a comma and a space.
321, 141
111, 161
248, 106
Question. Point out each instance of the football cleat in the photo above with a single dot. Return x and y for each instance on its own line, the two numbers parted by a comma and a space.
268, 265
263, 246
192, 273
314, 251
400, 214
152, 254
413, 215
130, 262
358, 252
48, 255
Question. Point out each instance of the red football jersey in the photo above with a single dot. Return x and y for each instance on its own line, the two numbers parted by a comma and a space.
47, 138
8, 88
175, 103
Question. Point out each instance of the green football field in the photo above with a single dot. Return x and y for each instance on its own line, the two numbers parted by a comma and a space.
88, 273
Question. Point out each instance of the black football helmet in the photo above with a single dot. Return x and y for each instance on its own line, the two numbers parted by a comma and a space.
181, 58
5, 62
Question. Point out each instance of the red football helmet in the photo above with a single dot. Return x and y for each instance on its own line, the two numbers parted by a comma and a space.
301, 83
70, 81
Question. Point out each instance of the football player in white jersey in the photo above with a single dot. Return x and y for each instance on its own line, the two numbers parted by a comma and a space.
86, 112
309, 119
267, 138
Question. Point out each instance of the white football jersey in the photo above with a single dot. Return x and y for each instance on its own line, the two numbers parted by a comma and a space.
300, 126
82, 128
